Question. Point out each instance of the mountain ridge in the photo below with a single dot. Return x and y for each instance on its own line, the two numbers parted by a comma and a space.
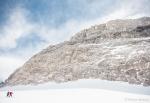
118, 50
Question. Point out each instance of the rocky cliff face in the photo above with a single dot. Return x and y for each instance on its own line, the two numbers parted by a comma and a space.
118, 50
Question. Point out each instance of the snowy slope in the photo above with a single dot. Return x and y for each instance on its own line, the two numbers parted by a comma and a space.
86, 83
73, 96
82, 91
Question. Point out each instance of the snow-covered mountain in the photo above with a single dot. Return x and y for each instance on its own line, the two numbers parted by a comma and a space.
118, 50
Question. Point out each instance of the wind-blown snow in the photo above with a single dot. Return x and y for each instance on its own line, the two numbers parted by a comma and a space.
82, 91
86, 83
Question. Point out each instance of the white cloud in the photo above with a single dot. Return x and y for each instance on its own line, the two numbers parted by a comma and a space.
19, 25
129, 9
16, 27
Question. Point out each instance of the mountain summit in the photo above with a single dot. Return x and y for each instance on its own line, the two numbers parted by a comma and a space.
118, 50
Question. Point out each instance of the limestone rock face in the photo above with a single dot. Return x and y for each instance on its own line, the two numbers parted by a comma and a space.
118, 50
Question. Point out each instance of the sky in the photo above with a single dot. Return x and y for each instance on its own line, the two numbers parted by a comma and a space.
28, 26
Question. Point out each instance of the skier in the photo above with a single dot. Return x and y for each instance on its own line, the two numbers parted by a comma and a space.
9, 94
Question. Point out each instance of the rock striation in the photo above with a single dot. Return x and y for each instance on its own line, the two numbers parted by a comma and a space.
118, 50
